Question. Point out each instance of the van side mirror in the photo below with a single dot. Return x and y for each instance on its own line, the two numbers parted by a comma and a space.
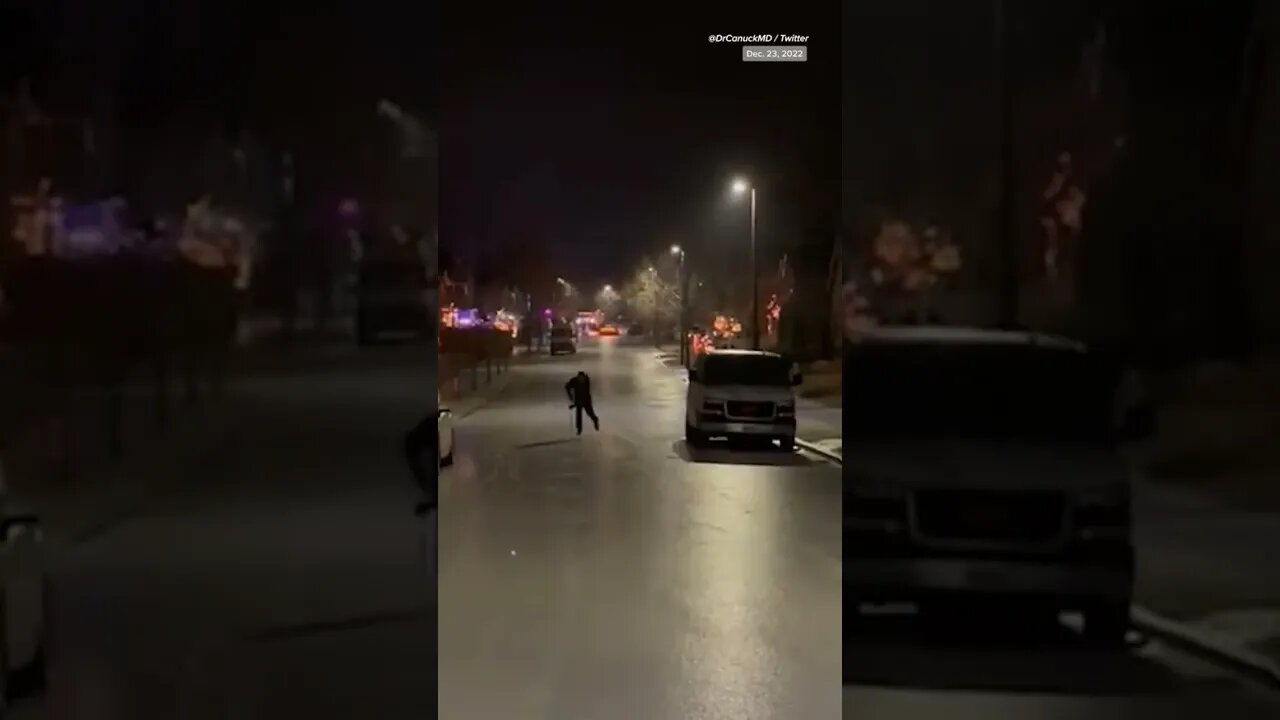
441, 413
19, 525
1139, 423
797, 380
693, 375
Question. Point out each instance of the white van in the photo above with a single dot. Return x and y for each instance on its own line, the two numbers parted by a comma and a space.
22, 599
746, 394
444, 431
985, 463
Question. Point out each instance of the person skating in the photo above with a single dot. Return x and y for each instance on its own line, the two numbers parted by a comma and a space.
579, 389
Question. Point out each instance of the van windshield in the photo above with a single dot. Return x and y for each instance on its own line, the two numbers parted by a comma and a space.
989, 392
746, 370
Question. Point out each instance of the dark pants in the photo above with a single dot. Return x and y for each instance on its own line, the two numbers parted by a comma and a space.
209, 325
591, 413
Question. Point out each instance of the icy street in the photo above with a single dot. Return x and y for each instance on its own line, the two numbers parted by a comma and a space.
623, 575
281, 577
614, 575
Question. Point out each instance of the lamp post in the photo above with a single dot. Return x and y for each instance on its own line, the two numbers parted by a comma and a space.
742, 186
653, 294
1010, 291
681, 287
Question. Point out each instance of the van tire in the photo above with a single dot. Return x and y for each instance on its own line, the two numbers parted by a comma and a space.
1106, 625
6, 690
365, 335
787, 443
694, 436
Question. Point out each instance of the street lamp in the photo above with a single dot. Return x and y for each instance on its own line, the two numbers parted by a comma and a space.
740, 187
678, 252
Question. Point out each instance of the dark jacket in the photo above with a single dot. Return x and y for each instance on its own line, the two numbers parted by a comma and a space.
420, 443
579, 389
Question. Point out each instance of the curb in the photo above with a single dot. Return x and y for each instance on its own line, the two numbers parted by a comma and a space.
1208, 645
113, 492
819, 450
472, 403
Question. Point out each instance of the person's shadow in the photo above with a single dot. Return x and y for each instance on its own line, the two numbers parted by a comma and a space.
731, 454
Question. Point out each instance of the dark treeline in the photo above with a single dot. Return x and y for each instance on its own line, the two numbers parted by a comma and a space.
1164, 111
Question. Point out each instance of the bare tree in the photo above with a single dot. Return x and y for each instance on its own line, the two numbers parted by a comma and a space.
651, 297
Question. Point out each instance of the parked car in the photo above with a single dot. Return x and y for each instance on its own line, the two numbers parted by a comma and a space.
445, 431
563, 340
987, 464
609, 331
741, 394
22, 599
391, 300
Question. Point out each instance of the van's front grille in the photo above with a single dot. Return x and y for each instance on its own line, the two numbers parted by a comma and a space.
990, 515
753, 410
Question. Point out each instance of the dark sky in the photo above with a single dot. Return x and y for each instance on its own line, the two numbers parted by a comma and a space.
603, 132
608, 140
220, 53
308, 74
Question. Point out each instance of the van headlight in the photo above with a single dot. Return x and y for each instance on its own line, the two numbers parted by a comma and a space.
1103, 509
875, 510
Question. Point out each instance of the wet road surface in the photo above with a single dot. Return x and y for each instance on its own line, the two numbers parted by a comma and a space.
622, 575
616, 575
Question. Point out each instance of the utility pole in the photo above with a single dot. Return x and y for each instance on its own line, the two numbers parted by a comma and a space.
20, 115
682, 287
653, 286
1006, 232
755, 278
24, 116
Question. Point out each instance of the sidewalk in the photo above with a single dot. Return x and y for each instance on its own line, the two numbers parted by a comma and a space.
1207, 511
820, 406
104, 490
473, 387
1208, 564
1219, 431
823, 382
821, 423
263, 348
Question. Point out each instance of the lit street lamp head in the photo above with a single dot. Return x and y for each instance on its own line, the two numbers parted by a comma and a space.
675, 250
740, 186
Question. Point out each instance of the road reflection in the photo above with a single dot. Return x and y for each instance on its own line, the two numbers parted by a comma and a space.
997, 650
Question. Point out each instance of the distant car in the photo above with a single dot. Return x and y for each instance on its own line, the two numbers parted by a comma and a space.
390, 299
563, 340
444, 432
608, 331
987, 463
22, 599
741, 394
